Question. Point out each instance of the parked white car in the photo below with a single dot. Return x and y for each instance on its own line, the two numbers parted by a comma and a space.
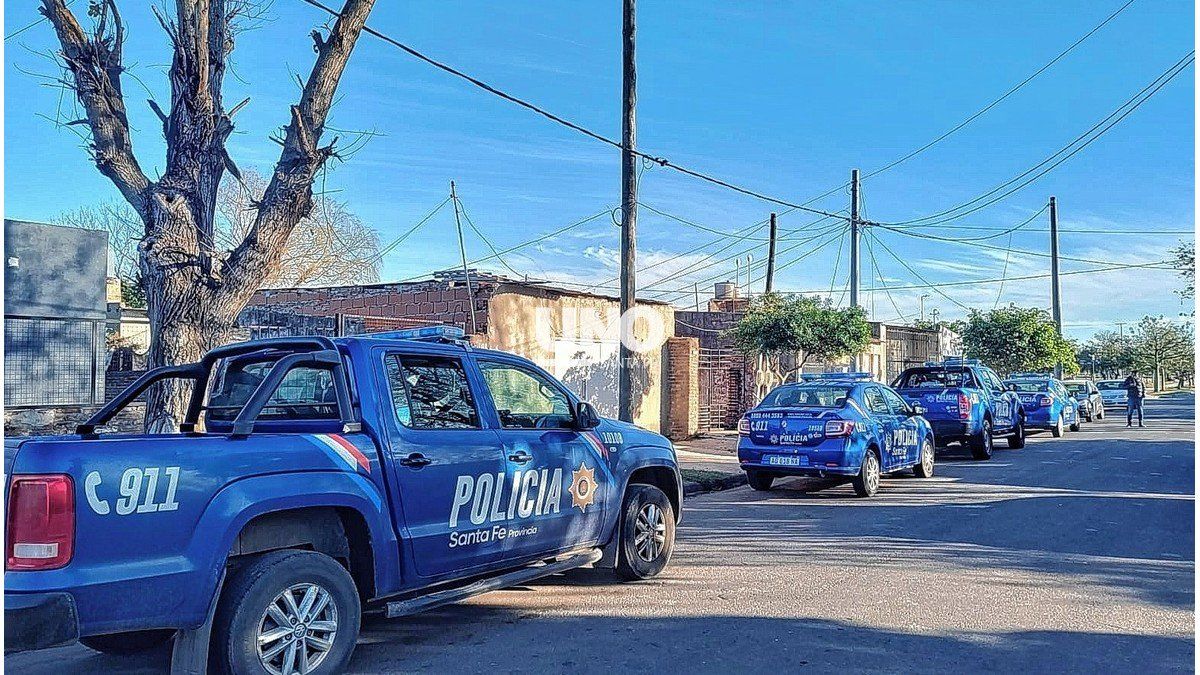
1113, 392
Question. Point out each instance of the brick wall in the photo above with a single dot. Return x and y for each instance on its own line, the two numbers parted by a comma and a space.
683, 387
435, 301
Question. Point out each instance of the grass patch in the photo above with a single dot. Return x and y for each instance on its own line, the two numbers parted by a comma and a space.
707, 479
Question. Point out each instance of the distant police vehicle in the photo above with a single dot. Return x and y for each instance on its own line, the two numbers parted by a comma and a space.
1048, 404
1091, 403
834, 424
314, 479
1113, 392
965, 401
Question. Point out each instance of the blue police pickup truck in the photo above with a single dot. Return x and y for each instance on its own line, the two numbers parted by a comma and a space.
1047, 402
834, 424
313, 478
965, 401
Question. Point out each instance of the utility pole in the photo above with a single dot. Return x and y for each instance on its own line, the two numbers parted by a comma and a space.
922, 299
771, 257
749, 259
854, 225
462, 248
1055, 288
628, 210
697, 296
854, 237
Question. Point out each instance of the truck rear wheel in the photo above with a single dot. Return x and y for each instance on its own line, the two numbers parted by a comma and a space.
124, 644
981, 443
286, 612
647, 533
1016, 441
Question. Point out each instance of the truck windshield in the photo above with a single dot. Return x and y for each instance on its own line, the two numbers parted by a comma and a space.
304, 393
1029, 386
807, 395
936, 378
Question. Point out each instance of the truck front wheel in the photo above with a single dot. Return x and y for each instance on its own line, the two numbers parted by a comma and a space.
647, 533
286, 612
124, 644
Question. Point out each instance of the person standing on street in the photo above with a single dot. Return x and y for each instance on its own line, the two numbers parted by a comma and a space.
1135, 391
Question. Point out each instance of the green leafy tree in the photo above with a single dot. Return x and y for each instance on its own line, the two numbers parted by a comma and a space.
1184, 260
788, 331
1012, 339
1107, 354
1162, 348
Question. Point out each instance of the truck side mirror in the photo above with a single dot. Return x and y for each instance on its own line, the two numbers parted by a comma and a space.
586, 416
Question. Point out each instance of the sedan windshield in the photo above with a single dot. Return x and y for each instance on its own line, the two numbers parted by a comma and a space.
1077, 389
1110, 385
809, 395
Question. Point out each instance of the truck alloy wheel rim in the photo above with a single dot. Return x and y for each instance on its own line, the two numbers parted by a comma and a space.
297, 630
650, 533
872, 473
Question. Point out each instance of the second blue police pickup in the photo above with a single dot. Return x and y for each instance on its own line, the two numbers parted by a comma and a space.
965, 401
331, 476
834, 424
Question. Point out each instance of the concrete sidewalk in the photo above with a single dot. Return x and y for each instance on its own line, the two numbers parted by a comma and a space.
709, 462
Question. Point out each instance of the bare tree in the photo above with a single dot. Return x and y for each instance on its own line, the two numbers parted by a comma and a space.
192, 302
330, 246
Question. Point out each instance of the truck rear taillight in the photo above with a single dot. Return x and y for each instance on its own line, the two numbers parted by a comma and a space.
41, 522
834, 428
964, 407
1045, 401
743, 427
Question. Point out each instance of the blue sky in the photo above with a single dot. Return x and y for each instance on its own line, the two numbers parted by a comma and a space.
782, 97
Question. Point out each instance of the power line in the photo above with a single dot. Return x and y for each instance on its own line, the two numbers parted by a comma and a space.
879, 275
1057, 158
1004, 272
661, 161
695, 225
913, 271
398, 240
498, 256
1003, 96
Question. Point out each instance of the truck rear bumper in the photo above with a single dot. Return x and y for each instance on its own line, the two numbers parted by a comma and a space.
38, 621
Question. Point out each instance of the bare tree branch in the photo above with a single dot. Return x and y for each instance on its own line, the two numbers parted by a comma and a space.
95, 66
288, 197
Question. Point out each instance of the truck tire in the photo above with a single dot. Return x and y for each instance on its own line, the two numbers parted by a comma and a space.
647, 533
981, 443
124, 644
924, 466
866, 483
1016, 440
1057, 430
760, 481
255, 605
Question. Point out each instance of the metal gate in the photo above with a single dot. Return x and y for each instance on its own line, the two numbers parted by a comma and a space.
722, 380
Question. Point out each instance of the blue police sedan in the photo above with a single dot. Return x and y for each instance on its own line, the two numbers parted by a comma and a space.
1047, 403
834, 424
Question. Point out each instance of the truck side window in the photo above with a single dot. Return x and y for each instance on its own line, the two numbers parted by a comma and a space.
525, 399
304, 394
430, 392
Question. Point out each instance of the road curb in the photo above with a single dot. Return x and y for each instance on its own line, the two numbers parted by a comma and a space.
692, 488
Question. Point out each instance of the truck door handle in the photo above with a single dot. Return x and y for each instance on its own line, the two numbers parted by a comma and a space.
520, 457
416, 460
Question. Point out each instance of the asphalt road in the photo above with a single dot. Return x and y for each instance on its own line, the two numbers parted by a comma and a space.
1074, 554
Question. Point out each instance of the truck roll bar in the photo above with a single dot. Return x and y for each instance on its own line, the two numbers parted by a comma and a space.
319, 352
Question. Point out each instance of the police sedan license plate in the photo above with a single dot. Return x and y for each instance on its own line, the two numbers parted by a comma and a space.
787, 460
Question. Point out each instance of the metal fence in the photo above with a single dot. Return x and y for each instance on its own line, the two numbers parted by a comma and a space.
51, 361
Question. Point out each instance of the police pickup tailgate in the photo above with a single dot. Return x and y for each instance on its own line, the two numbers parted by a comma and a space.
135, 528
940, 404
793, 426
